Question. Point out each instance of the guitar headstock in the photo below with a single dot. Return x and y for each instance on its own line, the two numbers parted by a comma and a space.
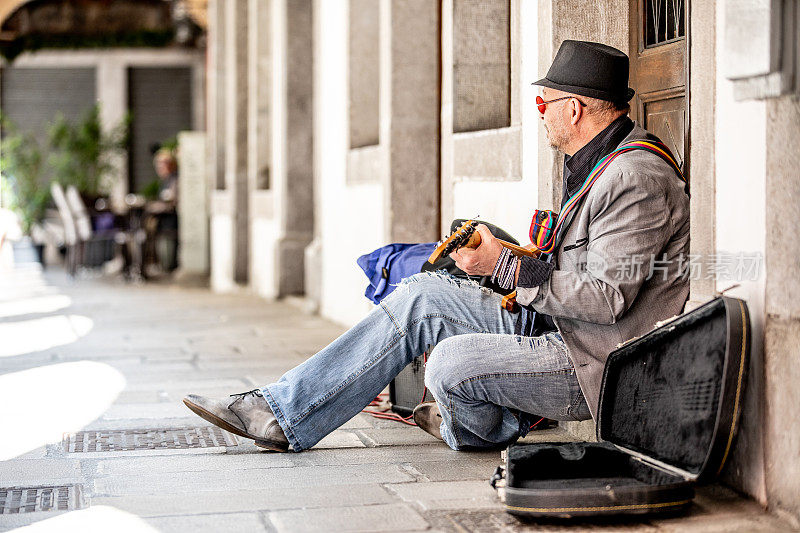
461, 237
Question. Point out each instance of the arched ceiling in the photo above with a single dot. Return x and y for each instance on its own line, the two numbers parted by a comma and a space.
196, 8
7, 7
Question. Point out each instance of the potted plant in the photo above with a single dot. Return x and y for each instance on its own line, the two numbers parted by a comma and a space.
23, 165
83, 152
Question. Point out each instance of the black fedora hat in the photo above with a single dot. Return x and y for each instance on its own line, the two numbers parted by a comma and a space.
590, 69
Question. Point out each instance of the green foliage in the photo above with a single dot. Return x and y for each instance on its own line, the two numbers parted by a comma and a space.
23, 164
151, 189
82, 152
6, 192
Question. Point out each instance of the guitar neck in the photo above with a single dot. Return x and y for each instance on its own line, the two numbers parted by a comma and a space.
467, 237
519, 251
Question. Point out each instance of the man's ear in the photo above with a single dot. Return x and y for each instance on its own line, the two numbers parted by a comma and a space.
576, 111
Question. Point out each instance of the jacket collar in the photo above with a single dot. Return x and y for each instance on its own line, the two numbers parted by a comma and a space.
578, 166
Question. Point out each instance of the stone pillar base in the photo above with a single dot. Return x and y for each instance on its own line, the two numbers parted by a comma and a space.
291, 261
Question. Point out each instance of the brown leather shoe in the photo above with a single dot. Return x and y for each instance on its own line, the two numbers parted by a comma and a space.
246, 414
428, 418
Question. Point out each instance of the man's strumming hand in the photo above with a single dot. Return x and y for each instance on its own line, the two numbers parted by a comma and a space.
481, 260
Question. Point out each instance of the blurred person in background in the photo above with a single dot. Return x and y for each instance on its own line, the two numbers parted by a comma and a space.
161, 217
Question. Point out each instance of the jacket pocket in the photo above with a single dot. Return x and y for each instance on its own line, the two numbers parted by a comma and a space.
577, 244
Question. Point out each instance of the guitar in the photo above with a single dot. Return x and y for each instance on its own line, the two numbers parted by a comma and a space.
467, 236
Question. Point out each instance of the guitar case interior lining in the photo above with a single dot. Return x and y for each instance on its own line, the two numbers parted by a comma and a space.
669, 406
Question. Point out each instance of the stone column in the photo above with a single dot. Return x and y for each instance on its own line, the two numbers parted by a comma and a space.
312, 256
260, 79
413, 129
259, 149
192, 204
220, 225
112, 92
295, 186
235, 111
215, 95
702, 149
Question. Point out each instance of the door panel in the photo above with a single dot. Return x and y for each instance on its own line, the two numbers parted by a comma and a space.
666, 117
658, 45
661, 68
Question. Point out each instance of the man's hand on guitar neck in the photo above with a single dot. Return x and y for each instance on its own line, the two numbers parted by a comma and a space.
479, 261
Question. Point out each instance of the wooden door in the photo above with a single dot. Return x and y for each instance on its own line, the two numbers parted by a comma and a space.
659, 62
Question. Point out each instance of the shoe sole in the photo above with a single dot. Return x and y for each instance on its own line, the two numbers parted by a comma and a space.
417, 415
217, 421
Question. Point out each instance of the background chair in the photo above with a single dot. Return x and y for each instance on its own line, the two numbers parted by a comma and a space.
94, 248
70, 231
85, 247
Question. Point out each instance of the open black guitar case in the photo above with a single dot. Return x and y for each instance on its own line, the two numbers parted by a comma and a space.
669, 407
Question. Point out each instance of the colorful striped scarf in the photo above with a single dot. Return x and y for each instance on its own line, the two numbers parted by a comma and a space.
545, 235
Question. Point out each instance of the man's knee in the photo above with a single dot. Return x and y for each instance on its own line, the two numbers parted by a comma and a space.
446, 365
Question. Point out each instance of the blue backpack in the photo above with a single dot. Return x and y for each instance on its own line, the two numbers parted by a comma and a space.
388, 265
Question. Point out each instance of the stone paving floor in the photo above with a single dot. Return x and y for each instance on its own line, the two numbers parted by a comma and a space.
83, 364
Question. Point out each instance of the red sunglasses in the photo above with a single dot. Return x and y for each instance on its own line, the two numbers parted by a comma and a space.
541, 103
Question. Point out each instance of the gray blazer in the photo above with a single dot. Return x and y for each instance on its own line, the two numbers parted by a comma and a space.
602, 291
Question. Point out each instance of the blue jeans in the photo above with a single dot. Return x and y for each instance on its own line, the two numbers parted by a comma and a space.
485, 379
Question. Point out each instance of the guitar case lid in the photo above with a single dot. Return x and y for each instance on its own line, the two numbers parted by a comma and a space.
673, 396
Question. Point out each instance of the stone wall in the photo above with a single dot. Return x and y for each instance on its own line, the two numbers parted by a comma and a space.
489, 151
481, 64
364, 72
782, 336
413, 132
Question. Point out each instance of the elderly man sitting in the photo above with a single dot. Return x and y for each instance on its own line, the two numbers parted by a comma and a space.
491, 370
